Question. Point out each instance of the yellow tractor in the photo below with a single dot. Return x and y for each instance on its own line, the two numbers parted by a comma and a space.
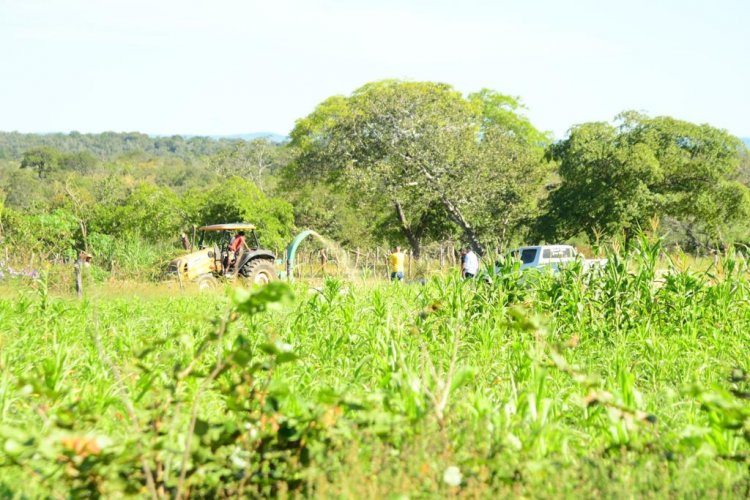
220, 255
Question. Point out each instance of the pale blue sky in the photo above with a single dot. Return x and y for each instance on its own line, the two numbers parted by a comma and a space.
231, 66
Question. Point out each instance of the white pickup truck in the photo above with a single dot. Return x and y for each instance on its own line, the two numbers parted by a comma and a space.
551, 256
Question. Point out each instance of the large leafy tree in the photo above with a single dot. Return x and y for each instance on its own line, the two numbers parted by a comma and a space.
614, 178
43, 160
423, 148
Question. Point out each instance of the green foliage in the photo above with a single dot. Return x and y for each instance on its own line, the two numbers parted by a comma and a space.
423, 148
331, 213
616, 179
45, 234
24, 190
81, 162
109, 145
126, 207
255, 160
239, 200
603, 380
43, 160
503, 113
152, 212
728, 414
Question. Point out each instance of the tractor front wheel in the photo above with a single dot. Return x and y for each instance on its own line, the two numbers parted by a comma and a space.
260, 272
206, 282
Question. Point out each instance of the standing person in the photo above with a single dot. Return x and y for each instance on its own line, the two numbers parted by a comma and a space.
469, 263
396, 264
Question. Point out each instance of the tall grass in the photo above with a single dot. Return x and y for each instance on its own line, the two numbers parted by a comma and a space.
627, 380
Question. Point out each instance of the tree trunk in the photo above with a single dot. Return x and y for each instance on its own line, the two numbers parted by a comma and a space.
84, 235
456, 216
408, 232
453, 211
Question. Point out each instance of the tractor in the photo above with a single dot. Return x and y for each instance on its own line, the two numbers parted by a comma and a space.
214, 260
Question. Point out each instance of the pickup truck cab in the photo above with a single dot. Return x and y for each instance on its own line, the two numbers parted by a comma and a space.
550, 257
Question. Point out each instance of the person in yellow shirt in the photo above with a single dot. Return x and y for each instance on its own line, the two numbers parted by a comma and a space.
396, 264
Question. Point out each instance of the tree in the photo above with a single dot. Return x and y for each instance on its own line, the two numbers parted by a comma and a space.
614, 179
255, 160
149, 211
336, 215
44, 160
505, 185
24, 191
239, 200
416, 145
82, 162
502, 114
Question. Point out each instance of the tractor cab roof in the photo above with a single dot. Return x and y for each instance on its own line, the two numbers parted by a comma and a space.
234, 226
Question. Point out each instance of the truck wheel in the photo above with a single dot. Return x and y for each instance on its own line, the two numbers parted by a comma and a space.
206, 282
260, 272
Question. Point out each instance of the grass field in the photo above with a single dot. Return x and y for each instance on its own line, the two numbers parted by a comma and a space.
553, 386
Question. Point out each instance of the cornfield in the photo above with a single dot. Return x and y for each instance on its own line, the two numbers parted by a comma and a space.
625, 380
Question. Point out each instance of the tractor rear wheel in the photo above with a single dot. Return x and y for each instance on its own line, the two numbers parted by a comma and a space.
206, 282
260, 272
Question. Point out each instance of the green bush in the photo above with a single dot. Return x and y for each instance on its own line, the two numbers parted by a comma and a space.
238, 200
50, 235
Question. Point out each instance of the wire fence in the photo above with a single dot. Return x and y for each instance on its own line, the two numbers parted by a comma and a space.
373, 262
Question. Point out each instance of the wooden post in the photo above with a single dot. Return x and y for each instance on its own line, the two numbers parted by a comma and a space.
409, 275
185, 242
323, 260
79, 278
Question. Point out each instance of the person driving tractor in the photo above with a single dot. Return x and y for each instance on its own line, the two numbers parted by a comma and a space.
234, 249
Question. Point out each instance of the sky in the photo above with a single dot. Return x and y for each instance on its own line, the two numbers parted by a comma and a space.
217, 67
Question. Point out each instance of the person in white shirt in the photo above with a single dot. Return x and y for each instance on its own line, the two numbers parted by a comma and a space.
469, 263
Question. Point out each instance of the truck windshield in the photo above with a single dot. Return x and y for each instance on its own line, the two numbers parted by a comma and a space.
528, 255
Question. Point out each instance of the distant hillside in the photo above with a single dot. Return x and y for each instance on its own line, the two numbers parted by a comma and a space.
108, 145
271, 136
746, 140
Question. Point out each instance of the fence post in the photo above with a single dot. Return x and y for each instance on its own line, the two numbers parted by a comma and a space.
79, 279
323, 260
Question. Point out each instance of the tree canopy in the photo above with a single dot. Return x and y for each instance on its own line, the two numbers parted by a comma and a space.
394, 162
423, 146
613, 178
